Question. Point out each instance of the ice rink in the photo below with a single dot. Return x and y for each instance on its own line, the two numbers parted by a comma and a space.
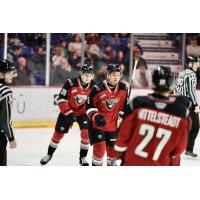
33, 143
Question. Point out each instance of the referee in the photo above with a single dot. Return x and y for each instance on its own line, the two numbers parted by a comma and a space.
7, 72
186, 85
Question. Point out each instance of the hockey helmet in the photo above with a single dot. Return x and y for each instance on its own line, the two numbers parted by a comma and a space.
86, 68
191, 59
7, 66
113, 68
162, 79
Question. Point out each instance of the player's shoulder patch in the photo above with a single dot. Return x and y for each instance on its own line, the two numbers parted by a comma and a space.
122, 86
97, 88
70, 82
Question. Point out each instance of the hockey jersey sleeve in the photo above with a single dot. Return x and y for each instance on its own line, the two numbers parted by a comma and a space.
63, 96
92, 110
125, 133
5, 118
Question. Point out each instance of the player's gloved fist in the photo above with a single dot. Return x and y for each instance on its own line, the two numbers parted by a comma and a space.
100, 120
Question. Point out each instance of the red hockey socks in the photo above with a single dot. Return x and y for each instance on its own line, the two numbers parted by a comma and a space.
98, 153
84, 143
55, 140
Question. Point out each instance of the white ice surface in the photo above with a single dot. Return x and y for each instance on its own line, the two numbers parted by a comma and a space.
33, 143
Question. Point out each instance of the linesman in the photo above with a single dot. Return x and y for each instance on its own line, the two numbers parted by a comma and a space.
186, 85
7, 73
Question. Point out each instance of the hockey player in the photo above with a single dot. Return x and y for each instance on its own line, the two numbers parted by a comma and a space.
106, 101
71, 102
186, 85
156, 131
7, 73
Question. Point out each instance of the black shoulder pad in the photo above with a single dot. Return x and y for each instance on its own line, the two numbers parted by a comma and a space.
122, 86
138, 101
74, 82
100, 86
183, 100
92, 83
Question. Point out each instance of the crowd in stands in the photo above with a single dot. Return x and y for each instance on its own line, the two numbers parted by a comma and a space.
27, 51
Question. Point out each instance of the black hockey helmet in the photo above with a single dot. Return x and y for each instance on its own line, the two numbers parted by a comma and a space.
113, 68
7, 66
86, 68
191, 59
162, 79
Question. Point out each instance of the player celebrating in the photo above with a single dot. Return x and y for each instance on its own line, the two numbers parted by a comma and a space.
155, 133
71, 102
106, 100
7, 72
186, 85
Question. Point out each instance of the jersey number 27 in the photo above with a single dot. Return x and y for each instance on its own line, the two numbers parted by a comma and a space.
149, 131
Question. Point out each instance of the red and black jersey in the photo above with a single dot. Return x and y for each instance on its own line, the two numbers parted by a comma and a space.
155, 133
104, 101
73, 96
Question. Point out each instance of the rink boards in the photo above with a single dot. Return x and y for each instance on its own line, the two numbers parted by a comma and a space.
36, 107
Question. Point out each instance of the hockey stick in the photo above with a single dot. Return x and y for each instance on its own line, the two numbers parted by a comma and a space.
132, 78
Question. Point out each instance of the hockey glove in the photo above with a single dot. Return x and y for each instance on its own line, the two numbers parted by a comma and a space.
100, 120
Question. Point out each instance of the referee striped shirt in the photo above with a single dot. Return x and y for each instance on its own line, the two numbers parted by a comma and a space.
6, 97
186, 85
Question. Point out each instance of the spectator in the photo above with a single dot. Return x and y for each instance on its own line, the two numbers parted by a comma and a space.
137, 58
76, 45
37, 66
75, 61
100, 71
123, 41
92, 38
193, 49
142, 77
119, 59
93, 50
15, 52
63, 72
63, 46
59, 54
23, 75
108, 54
40, 39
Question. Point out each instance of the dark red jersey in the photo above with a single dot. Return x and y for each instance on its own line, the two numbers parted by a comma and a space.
73, 96
155, 133
108, 103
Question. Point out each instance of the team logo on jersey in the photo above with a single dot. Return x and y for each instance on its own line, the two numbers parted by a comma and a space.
160, 105
80, 99
110, 103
